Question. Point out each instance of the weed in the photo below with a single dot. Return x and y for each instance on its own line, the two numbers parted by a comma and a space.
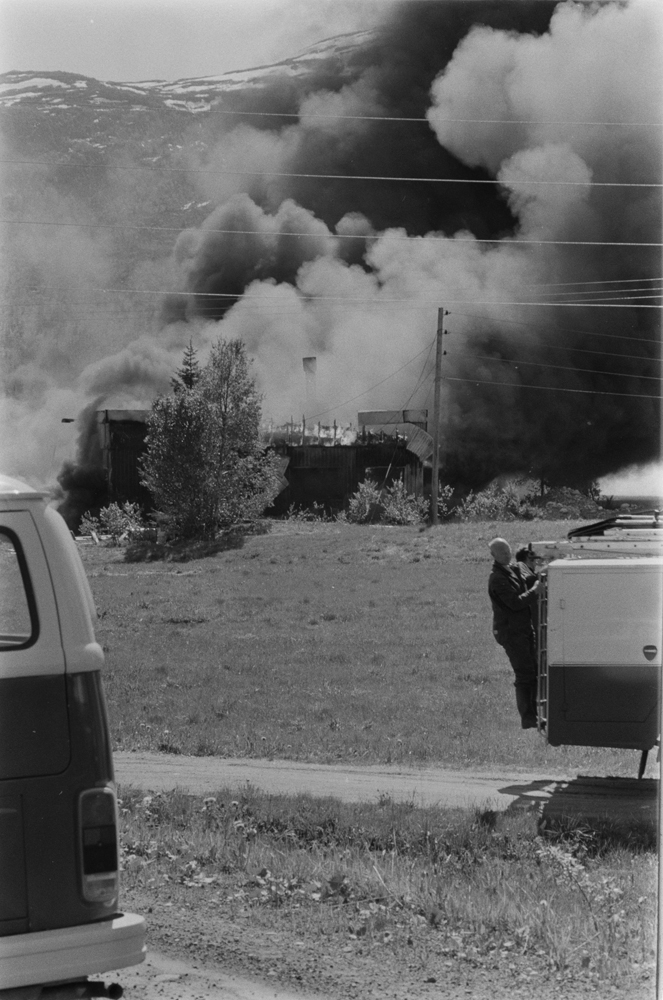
117, 523
316, 513
440, 885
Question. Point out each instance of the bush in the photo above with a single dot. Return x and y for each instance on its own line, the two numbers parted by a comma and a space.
493, 503
400, 507
366, 504
444, 495
392, 505
118, 523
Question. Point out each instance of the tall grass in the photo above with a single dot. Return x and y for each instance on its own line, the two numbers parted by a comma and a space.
435, 887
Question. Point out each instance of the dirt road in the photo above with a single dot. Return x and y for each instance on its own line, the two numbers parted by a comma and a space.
164, 978
499, 789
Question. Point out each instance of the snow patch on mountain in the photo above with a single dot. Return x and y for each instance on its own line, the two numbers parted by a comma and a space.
33, 81
191, 94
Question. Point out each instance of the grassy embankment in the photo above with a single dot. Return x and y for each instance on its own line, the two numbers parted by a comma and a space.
336, 643
339, 897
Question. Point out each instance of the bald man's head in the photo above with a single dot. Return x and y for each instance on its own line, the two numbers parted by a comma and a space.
500, 551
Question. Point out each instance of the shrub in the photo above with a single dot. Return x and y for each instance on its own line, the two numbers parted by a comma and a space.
444, 495
366, 504
392, 505
400, 507
118, 523
493, 503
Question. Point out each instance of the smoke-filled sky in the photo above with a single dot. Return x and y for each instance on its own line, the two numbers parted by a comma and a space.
555, 103
168, 39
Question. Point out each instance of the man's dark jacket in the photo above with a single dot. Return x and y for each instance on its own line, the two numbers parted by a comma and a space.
511, 598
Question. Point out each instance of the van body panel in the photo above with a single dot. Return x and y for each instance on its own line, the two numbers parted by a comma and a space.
604, 611
51, 812
34, 726
72, 952
603, 706
604, 634
45, 655
13, 888
75, 603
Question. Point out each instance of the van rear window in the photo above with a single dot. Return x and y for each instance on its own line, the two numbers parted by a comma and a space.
18, 619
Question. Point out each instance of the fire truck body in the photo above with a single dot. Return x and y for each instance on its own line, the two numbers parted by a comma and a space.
600, 651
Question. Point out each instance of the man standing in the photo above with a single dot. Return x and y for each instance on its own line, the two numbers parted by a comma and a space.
513, 596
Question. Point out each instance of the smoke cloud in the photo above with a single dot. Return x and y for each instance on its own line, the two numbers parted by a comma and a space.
353, 271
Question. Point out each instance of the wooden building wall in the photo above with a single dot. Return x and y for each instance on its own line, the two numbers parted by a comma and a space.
316, 474
328, 476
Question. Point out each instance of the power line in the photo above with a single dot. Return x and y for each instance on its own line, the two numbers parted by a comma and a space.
370, 388
567, 329
210, 314
565, 368
330, 177
551, 388
389, 301
410, 303
299, 115
345, 298
611, 281
448, 240
620, 293
421, 375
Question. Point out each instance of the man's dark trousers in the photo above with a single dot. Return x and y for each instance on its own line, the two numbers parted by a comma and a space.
519, 647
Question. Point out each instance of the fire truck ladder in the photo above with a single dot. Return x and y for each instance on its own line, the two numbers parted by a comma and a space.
542, 650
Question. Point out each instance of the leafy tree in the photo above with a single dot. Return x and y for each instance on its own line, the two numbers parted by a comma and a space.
203, 462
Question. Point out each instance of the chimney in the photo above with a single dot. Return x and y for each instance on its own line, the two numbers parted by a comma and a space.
310, 365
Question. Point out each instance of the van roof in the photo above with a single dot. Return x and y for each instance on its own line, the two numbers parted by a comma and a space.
14, 489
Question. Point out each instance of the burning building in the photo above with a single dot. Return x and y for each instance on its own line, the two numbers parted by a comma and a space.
320, 469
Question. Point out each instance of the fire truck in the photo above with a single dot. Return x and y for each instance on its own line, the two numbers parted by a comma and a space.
600, 635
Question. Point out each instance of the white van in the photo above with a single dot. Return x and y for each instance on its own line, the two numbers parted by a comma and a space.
59, 909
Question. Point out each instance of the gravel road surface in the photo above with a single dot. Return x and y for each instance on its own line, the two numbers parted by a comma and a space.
498, 789
350, 783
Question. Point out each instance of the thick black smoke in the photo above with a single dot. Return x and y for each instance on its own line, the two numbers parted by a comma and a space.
459, 62
388, 77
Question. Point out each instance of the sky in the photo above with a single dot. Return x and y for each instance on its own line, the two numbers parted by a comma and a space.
132, 40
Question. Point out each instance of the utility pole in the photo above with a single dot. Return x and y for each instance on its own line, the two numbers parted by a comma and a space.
435, 474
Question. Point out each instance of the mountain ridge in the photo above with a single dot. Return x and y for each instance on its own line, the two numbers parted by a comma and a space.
193, 94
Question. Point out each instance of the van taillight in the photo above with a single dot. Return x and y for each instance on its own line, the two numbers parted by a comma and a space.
98, 833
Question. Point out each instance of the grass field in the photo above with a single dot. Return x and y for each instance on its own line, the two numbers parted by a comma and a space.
322, 643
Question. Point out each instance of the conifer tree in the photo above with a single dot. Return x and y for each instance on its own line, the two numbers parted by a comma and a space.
188, 375
204, 464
